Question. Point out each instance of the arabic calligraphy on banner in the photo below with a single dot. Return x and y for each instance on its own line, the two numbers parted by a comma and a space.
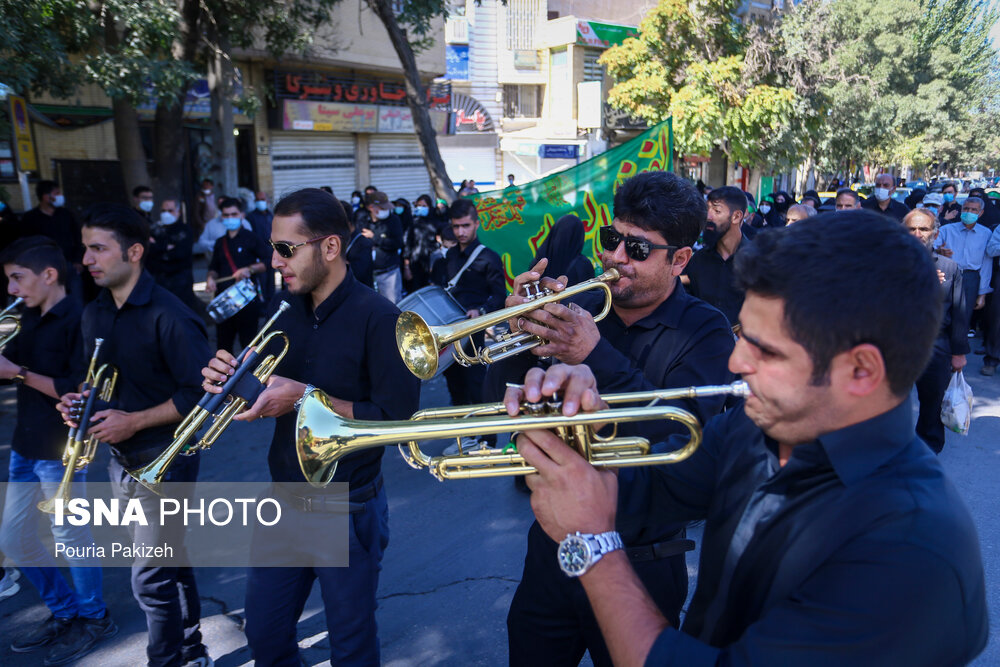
323, 87
515, 221
361, 118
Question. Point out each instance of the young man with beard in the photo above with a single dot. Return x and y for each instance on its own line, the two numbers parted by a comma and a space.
832, 534
710, 272
656, 336
341, 340
158, 346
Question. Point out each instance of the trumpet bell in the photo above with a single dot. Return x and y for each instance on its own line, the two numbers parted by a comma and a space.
418, 345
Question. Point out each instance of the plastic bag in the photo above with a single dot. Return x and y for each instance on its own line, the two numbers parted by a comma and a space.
956, 409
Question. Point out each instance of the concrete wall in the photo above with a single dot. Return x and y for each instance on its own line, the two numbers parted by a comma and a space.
623, 12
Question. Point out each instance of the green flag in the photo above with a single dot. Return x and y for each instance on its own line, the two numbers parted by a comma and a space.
516, 220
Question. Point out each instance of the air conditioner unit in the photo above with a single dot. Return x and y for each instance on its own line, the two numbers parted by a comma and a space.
456, 31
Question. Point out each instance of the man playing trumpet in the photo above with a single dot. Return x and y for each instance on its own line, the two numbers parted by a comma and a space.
341, 340
832, 535
655, 337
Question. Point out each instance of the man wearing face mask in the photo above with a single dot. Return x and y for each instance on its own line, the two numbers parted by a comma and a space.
240, 254
952, 210
386, 232
965, 242
710, 272
881, 200
260, 218
142, 202
169, 255
53, 220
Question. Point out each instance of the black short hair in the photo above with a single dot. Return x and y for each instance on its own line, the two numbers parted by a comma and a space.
229, 202
139, 189
731, 196
346, 205
208, 180
461, 208
326, 188
447, 234
371, 187
426, 198
43, 188
128, 227
36, 253
660, 201
847, 279
848, 191
321, 213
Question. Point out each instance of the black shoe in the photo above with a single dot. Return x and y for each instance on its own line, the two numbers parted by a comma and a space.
49, 631
81, 639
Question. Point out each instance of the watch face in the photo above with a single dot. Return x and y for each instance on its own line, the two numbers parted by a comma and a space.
574, 555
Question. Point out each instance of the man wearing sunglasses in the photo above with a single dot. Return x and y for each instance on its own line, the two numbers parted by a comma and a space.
656, 336
342, 340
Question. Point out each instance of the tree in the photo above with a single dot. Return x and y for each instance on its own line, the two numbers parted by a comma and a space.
689, 62
410, 32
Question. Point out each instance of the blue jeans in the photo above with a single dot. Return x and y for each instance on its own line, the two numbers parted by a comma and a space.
33, 480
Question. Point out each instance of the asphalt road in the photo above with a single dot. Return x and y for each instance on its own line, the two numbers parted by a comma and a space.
454, 558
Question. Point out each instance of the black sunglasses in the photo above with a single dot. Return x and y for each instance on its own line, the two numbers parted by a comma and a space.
636, 248
286, 250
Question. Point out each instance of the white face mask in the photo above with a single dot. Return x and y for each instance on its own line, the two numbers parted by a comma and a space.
207, 192
167, 218
382, 214
765, 209
59, 201
146, 206
881, 194
355, 200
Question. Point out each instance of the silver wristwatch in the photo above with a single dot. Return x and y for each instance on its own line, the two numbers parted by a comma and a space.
579, 551
309, 390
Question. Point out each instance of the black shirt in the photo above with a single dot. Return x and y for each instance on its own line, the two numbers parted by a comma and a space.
858, 551
245, 249
51, 345
359, 256
953, 303
388, 241
159, 347
260, 222
61, 227
170, 251
896, 209
712, 280
483, 285
347, 348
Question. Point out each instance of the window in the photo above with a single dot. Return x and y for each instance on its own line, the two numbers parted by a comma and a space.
522, 101
591, 70
522, 15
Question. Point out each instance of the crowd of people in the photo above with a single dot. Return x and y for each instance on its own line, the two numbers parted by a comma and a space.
796, 565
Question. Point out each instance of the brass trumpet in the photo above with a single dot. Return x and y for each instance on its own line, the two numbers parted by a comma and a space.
324, 437
80, 446
10, 323
420, 344
238, 392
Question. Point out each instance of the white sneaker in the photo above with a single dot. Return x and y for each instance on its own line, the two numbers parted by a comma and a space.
8, 585
469, 444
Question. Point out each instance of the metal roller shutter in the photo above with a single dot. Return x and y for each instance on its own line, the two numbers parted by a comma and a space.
300, 161
397, 168
479, 164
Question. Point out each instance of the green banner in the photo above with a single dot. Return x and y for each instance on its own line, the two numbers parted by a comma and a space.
603, 35
516, 220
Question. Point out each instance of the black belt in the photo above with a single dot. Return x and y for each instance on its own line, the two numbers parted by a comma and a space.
137, 458
659, 550
333, 503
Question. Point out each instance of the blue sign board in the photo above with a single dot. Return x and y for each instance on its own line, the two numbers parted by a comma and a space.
564, 151
456, 58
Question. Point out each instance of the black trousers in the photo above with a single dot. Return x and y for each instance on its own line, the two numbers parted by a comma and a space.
243, 324
550, 622
167, 595
930, 392
970, 284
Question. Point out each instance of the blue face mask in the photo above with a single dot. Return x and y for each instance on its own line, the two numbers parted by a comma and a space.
969, 218
949, 197
232, 224
2, 206
399, 210
261, 205
420, 211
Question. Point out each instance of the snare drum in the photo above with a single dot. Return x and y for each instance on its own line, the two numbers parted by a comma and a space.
232, 300
437, 306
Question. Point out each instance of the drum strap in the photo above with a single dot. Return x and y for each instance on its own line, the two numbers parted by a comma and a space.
229, 256
454, 281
